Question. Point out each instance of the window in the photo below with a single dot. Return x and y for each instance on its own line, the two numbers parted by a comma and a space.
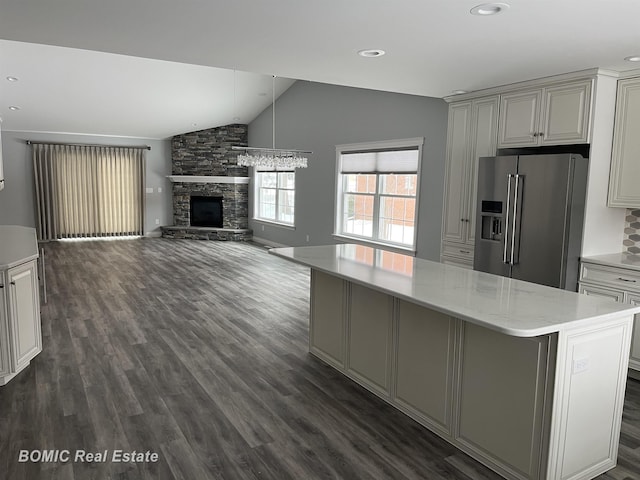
377, 185
275, 196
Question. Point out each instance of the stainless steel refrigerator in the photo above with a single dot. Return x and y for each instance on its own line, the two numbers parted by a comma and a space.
530, 215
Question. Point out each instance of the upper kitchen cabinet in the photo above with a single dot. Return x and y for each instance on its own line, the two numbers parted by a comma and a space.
553, 115
624, 178
472, 134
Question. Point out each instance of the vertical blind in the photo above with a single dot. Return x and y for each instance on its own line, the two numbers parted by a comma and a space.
88, 191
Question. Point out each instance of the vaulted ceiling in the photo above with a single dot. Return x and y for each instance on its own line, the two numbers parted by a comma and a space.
154, 68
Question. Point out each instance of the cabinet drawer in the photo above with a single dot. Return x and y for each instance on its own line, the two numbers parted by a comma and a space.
622, 278
460, 251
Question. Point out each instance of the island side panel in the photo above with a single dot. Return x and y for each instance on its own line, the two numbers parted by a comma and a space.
588, 399
369, 337
425, 361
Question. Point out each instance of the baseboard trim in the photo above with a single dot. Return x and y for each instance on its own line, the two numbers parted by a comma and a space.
268, 243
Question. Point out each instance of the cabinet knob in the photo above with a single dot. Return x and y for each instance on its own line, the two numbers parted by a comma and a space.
1, 286
541, 134
12, 283
535, 134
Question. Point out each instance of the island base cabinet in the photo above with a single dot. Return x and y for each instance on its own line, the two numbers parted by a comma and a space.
502, 386
546, 407
327, 325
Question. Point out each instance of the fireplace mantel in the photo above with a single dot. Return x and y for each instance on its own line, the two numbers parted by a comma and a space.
206, 179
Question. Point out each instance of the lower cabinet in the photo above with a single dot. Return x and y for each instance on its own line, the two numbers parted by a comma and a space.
21, 337
619, 284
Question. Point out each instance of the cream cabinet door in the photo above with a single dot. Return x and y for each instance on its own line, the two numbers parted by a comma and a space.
24, 313
624, 177
566, 115
456, 183
519, 119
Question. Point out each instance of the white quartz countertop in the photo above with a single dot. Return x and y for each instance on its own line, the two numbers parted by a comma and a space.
622, 260
509, 306
17, 245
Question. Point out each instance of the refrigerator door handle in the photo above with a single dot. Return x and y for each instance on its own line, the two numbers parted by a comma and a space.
515, 231
505, 256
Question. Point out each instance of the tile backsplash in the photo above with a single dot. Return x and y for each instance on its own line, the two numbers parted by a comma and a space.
631, 240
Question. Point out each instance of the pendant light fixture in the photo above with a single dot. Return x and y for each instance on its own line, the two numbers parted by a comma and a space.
272, 158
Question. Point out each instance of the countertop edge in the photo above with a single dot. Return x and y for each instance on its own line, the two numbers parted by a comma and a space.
526, 333
611, 260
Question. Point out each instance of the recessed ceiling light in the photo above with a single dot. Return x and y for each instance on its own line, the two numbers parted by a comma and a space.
14, 108
634, 58
489, 9
372, 53
12, 79
458, 92
236, 119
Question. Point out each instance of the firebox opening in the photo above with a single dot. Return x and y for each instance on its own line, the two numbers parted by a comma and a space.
206, 211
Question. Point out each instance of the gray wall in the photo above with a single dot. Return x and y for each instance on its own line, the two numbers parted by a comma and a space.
317, 117
17, 198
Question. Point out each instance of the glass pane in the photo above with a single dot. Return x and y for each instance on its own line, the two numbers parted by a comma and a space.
397, 218
267, 179
399, 184
267, 203
287, 180
286, 199
358, 215
356, 183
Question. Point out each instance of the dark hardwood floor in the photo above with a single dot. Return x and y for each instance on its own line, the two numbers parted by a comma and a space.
197, 351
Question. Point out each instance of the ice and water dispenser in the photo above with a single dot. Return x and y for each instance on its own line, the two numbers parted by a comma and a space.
491, 218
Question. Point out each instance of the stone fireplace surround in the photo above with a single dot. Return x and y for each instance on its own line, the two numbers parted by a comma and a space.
203, 164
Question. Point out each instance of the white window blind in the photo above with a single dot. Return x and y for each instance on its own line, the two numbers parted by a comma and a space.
395, 161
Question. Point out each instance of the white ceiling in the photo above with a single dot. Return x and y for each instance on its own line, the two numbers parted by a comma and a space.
433, 47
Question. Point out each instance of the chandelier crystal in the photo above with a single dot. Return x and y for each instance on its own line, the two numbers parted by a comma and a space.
272, 158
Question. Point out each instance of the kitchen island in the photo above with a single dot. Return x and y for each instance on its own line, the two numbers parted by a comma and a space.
527, 379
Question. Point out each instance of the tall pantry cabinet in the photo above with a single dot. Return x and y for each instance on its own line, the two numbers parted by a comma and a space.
472, 133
